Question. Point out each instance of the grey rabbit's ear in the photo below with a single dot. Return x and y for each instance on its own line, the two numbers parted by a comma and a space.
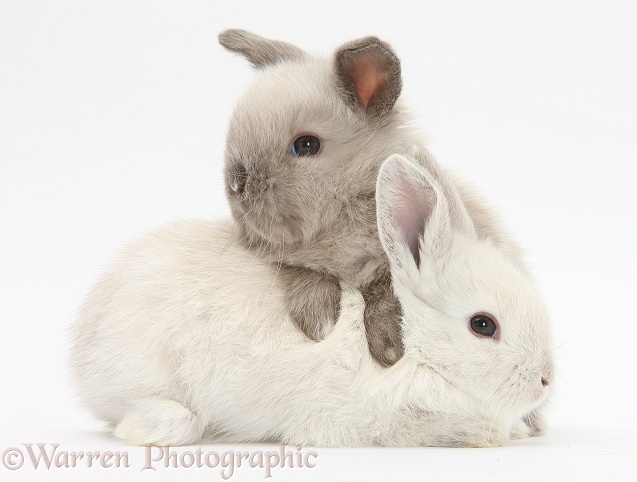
368, 75
259, 51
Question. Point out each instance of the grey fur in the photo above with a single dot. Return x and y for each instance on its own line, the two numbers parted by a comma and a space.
313, 299
371, 52
318, 213
259, 51
382, 309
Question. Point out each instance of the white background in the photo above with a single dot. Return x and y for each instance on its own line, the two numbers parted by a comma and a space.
112, 122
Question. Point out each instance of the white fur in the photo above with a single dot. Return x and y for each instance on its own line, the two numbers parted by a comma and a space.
187, 336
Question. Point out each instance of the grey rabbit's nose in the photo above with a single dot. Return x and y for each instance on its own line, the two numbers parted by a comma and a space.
238, 186
238, 180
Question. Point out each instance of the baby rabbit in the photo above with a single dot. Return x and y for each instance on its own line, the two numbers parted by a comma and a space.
187, 335
303, 150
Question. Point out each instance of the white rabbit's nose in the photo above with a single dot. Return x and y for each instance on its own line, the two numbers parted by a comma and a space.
547, 375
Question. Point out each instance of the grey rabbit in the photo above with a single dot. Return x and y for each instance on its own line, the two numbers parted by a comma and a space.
303, 151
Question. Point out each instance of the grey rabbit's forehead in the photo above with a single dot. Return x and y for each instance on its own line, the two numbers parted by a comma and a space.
293, 79
285, 101
291, 95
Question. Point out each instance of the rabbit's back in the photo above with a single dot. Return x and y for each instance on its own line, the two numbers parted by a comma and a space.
166, 294
187, 314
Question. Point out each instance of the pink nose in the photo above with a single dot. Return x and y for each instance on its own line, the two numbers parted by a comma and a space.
238, 178
545, 382
238, 187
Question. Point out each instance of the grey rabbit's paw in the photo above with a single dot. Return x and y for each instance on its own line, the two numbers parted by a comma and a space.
383, 315
313, 300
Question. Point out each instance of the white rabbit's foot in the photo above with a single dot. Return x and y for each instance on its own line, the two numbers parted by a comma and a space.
159, 422
520, 430
486, 441
536, 423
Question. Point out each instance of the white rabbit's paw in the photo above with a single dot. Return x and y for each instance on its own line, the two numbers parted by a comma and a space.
487, 440
159, 422
520, 430
536, 422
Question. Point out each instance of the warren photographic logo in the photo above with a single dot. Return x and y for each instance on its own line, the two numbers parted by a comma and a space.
48, 457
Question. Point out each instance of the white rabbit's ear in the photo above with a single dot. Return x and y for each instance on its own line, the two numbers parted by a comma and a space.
368, 75
259, 51
409, 204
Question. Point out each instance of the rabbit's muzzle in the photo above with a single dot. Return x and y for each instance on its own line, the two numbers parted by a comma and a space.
238, 179
249, 186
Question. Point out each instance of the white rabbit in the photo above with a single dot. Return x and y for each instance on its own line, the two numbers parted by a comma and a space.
188, 336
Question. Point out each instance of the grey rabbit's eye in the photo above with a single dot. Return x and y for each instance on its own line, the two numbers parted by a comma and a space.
305, 145
484, 325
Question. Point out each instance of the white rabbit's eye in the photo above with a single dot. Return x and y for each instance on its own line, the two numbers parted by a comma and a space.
485, 325
305, 145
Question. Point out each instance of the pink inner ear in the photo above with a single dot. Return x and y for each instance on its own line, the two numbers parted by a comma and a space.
369, 78
412, 207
